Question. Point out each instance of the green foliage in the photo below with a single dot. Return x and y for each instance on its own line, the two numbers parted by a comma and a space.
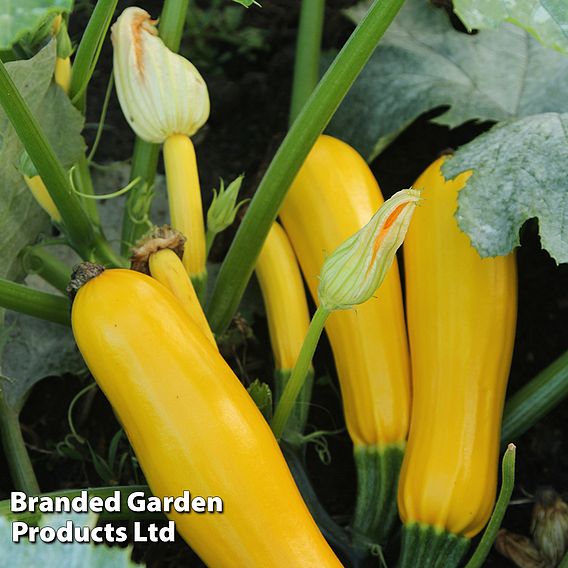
262, 396
246, 3
26, 16
57, 554
219, 33
520, 172
547, 20
34, 349
423, 63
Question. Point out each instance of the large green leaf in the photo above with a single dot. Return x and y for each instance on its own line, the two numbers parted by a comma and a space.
32, 349
58, 554
24, 16
21, 219
547, 20
422, 63
520, 171
35, 349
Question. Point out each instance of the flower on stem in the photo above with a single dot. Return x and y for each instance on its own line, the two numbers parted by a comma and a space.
224, 206
357, 267
161, 93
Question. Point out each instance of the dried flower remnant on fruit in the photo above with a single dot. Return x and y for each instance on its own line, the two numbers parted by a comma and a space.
357, 267
159, 238
161, 93
549, 525
519, 549
81, 274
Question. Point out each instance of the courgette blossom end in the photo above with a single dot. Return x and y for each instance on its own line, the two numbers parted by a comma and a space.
357, 267
160, 92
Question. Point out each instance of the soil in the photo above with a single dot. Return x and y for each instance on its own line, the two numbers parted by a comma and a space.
249, 100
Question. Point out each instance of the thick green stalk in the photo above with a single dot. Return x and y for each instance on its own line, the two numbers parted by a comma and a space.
239, 264
103, 492
507, 486
308, 48
37, 260
77, 224
145, 157
535, 399
19, 463
378, 469
89, 49
564, 563
426, 546
42, 305
296, 382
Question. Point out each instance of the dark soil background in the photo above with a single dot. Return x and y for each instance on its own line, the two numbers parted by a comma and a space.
246, 57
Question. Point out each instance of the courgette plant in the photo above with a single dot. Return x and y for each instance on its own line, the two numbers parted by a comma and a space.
335, 232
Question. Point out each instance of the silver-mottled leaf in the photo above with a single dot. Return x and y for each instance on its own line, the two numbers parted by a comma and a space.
520, 171
546, 20
423, 63
58, 554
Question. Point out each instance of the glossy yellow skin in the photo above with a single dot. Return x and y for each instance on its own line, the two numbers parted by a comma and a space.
167, 268
39, 191
333, 196
284, 297
461, 323
184, 196
193, 426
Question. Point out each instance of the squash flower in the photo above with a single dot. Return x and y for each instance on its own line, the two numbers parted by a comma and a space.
357, 267
165, 101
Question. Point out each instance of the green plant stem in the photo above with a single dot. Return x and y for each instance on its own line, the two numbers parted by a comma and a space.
287, 401
209, 240
507, 485
294, 430
20, 465
333, 533
42, 305
145, 157
426, 546
85, 186
564, 563
308, 48
103, 492
535, 399
37, 260
89, 50
238, 266
77, 224
375, 513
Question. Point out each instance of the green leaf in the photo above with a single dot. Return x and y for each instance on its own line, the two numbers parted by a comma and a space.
24, 16
520, 171
35, 349
246, 3
423, 63
57, 554
21, 219
546, 20
262, 396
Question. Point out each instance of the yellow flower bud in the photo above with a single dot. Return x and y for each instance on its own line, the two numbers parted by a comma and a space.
160, 92
357, 267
